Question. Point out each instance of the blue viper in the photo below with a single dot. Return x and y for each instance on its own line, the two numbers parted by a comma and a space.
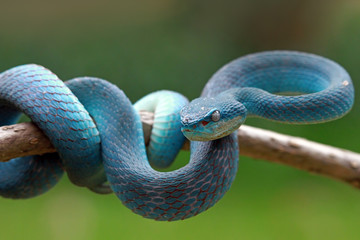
98, 133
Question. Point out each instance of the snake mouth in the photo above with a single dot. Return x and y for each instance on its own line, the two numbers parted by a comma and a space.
209, 134
194, 135
190, 131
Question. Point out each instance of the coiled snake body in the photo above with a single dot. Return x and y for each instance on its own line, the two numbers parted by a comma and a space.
98, 134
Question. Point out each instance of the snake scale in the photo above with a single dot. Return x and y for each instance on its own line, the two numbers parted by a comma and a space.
98, 133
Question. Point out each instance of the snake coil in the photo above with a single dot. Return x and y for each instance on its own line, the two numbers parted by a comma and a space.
98, 134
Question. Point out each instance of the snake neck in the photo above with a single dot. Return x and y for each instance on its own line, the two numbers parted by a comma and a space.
247, 96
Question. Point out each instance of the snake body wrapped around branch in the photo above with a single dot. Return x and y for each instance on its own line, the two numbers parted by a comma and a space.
98, 135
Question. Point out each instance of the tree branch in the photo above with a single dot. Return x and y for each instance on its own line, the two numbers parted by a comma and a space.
26, 139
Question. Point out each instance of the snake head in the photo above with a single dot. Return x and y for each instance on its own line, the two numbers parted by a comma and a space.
205, 119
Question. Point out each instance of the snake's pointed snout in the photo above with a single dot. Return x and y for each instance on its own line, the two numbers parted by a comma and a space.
186, 121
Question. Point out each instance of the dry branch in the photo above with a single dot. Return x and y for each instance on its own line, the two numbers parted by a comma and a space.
26, 139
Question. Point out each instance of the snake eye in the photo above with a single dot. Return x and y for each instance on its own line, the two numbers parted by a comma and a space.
215, 116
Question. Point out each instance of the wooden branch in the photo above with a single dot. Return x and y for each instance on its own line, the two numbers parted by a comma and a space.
23, 139
26, 139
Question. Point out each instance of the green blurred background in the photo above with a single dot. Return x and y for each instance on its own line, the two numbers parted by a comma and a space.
144, 46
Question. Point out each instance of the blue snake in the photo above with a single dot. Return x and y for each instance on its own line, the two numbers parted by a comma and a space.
99, 139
